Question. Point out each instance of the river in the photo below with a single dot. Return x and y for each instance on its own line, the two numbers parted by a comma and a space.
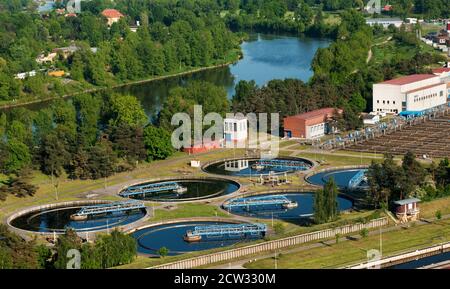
265, 57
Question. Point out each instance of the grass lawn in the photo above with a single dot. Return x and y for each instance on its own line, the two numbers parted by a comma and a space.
337, 160
355, 251
429, 209
69, 190
188, 211
287, 143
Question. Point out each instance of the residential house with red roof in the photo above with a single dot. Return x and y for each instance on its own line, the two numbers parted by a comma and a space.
112, 16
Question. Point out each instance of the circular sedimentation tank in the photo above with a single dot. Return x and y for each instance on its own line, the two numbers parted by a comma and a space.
176, 190
342, 177
173, 237
57, 218
301, 205
247, 167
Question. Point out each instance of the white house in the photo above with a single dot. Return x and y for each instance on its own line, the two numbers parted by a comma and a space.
385, 22
414, 93
235, 129
42, 58
24, 75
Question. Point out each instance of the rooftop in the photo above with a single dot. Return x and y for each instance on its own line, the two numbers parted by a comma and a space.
112, 13
441, 70
407, 201
408, 79
370, 116
383, 20
425, 87
315, 113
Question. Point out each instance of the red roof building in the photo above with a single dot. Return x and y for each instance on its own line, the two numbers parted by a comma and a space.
112, 15
439, 71
202, 147
309, 125
387, 8
408, 79
413, 93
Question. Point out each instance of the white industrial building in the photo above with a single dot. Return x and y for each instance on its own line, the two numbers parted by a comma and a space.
385, 22
413, 93
235, 129
236, 165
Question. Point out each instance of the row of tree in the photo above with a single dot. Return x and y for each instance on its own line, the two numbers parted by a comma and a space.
293, 16
88, 137
108, 251
390, 182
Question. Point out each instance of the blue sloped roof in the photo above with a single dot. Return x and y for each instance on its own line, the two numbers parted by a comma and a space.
407, 201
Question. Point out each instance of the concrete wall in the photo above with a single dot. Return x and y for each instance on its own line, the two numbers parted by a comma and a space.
269, 246
406, 257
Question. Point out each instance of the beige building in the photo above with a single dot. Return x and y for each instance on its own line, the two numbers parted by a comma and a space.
112, 16
416, 93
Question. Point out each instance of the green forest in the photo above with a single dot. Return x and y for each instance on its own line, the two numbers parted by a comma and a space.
108, 251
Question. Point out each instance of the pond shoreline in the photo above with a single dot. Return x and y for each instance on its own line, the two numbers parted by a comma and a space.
97, 89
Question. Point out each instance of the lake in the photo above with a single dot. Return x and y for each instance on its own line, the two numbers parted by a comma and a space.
266, 57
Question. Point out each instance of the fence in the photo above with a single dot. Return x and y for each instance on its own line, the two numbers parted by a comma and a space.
269, 246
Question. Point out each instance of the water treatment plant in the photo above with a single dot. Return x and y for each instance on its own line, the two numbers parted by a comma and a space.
173, 190
87, 217
174, 236
352, 178
251, 200
292, 205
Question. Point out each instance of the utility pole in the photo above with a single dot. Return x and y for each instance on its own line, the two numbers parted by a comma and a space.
276, 259
381, 242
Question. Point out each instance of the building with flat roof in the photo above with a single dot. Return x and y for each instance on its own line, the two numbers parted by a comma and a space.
407, 209
309, 125
235, 129
385, 22
413, 93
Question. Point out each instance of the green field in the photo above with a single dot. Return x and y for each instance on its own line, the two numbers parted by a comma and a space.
333, 256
